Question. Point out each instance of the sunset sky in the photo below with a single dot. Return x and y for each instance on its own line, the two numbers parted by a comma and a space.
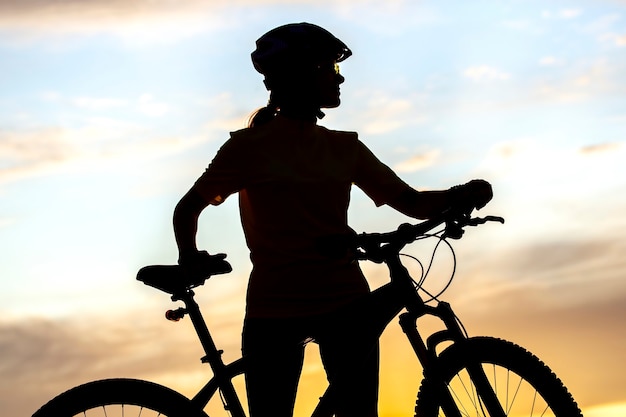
110, 110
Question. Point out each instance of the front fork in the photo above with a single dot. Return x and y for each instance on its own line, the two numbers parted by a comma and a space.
426, 350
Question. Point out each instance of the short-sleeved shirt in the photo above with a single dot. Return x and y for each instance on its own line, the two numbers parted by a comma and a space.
294, 180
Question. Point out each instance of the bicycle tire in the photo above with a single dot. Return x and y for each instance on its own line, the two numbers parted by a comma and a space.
523, 384
120, 396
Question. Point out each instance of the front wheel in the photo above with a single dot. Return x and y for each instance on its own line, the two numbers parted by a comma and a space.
506, 380
120, 397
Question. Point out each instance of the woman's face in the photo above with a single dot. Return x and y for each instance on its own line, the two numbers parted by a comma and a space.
327, 81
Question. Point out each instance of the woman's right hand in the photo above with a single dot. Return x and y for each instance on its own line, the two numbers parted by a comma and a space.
201, 262
472, 195
480, 193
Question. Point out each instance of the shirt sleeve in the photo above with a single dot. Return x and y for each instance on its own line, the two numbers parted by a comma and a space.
375, 178
224, 175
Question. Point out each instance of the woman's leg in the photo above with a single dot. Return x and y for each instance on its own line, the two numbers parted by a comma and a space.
274, 356
351, 360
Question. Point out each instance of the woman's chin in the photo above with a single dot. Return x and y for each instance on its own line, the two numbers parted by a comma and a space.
331, 104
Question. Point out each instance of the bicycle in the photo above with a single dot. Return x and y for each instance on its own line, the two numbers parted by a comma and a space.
462, 375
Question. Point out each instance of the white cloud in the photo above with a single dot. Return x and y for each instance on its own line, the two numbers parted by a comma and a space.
594, 79
534, 166
561, 14
418, 162
6, 222
151, 107
550, 61
48, 151
93, 103
569, 13
384, 114
485, 72
615, 39
603, 24
133, 20
27, 153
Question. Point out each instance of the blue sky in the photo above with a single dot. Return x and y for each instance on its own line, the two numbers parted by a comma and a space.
109, 110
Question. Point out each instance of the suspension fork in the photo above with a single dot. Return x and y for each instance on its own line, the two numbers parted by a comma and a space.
426, 351
427, 354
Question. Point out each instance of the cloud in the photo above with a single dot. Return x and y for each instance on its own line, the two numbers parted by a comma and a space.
387, 18
615, 39
95, 139
564, 14
620, 40
26, 153
145, 104
418, 162
383, 114
4, 222
151, 107
603, 23
134, 21
484, 73
600, 148
591, 79
561, 335
46, 151
607, 29
92, 103
550, 61
46, 357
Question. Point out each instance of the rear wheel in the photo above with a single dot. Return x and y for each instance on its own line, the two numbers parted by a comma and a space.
117, 398
517, 383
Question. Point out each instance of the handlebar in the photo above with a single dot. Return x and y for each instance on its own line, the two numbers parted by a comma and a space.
377, 246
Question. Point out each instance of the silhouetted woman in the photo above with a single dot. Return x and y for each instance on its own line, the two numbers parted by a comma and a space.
294, 178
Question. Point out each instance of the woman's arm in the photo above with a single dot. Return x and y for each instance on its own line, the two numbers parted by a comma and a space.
185, 221
426, 204
421, 204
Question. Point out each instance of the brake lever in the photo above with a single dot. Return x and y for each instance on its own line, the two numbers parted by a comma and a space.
475, 221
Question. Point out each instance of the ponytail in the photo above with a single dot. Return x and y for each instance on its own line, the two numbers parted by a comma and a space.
264, 114
261, 116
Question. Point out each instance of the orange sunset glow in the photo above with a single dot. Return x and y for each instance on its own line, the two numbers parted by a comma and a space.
110, 110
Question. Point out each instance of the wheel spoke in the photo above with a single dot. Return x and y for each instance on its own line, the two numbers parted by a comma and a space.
544, 410
510, 405
458, 401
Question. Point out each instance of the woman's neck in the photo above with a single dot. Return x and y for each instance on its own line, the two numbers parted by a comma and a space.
304, 114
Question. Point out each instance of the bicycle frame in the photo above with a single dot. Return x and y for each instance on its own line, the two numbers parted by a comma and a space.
425, 349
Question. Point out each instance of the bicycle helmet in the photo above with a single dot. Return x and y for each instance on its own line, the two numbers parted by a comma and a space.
296, 46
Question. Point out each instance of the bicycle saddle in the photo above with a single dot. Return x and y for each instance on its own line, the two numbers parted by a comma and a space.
174, 279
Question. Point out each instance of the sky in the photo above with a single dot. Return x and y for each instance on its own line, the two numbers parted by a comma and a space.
109, 111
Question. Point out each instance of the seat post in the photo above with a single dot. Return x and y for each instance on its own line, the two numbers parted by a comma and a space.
213, 355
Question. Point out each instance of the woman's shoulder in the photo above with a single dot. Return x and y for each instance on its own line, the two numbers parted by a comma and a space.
346, 135
279, 130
